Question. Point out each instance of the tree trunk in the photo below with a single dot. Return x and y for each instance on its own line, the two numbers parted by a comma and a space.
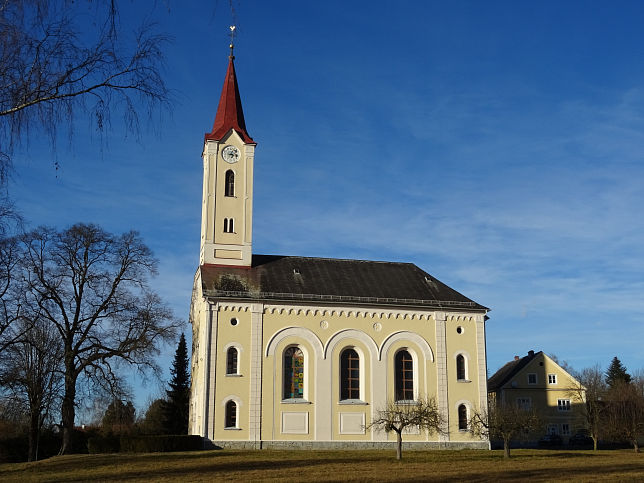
506, 448
594, 443
68, 411
636, 446
34, 433
399, 445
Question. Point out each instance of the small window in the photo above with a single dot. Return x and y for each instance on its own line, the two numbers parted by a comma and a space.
552, 378
293, 373
231, 414
231, 361
565, 429
462, 418
230, 183
404, 365
349, 374
234, 321
459, 330
532, 378
563, 404
229, 226
460, 368
524, 402
553, 429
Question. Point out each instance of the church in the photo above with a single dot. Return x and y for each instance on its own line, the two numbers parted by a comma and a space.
299, 352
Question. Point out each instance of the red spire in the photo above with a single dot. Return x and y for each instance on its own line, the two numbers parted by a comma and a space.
229, 113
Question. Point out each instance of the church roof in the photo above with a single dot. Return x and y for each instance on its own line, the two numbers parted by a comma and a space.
509, 370
333, 281
230, 114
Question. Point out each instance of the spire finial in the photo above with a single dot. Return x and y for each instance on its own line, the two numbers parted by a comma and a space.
232, 40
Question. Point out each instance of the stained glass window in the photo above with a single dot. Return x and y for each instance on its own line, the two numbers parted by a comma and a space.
293, 373
404, 376
349, 375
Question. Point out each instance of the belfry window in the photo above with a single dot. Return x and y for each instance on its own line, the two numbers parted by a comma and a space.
293, 373
231, 414
460, 367
230, 183
229, 226
462, 417
404, 376
349, 374
231, 361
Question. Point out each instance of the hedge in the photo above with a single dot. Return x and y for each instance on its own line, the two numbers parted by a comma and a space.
145, 444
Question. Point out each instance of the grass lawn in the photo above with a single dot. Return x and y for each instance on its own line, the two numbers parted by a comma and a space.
267, 465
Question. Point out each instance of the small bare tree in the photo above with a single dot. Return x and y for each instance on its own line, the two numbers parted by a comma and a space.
506, 422
422, 414
590, 390
92, 286
625, 412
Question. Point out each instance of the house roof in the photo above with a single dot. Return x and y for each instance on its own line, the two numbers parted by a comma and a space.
509, 370
230, 114
331, 280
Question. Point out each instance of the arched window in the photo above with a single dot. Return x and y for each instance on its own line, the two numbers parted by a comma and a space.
462, 417
229, 225
230, 183
404, 376
231, 361
293, 373
460, 367
349, 374
231, 414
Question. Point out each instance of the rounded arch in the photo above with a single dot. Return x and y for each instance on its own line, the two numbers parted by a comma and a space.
358, 335
298, 332
406, 336
232, 397
463, 409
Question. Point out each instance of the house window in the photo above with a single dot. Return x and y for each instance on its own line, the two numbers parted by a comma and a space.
229, 225
231, 414
563, 404
524, 403
552, 378
462, 418
460, 367
553, 429
293, 373
230, 183
404, 367
532, 378
231, 361
565, 429
349, 375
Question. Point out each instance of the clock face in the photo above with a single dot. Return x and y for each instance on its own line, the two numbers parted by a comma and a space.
230, 154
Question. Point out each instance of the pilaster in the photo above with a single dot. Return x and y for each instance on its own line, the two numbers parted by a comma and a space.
211, 372
256, 349
441, 369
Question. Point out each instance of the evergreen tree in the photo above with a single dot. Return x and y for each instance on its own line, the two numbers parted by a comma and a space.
616, 373
175, 409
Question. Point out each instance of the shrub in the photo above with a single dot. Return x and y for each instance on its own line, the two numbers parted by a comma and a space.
104, 444
160, 444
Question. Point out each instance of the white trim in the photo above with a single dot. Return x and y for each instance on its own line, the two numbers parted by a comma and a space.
300, 332
406, 336
341, 335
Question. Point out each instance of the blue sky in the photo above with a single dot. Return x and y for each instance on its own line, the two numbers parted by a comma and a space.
497, 145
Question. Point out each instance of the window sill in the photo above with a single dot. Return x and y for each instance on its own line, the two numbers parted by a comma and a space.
463, 380
234, 375
407, 402
353, 402
232, 429
295, 401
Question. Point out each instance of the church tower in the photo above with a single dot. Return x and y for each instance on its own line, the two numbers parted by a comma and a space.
227, 206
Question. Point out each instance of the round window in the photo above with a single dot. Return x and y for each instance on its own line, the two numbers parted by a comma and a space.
459, 330
234, 321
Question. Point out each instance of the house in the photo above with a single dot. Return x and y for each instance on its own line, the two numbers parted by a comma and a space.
293, 351
536, 381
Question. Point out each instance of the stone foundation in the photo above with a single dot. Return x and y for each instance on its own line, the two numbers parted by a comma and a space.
345, 445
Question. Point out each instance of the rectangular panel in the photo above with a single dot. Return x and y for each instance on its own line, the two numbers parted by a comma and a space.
352, 423
234, 254
295, 422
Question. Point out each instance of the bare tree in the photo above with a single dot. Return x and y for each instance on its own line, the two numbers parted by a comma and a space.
32, 375
506, 422
93, 287
55, 65
590, 390
422, 414
625, 412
